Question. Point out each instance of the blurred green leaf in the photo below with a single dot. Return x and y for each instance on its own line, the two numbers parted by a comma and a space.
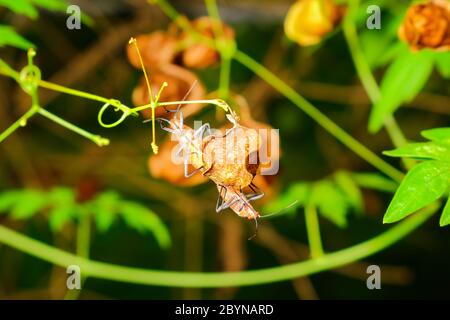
331, 203
443, 63
144, 220
105, 208
59, 216
403, 80
24, 7
294, 197
445, 217
349, 187
422, 150
30, 203
437, 134
8, 199
375, 181
424, 183
52, 5
8, 37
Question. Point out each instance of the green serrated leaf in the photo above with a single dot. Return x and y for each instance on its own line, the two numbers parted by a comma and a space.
375, 181
403, 80
351, 190
31, 202
144, 220
24, 7
104, 208
8, 199
445, 216
424, 183
295, 197
59, 216
443, 63
9, 37
330, 202
437, 134
422, 150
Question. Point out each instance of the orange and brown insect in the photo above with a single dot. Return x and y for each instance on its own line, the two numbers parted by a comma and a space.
229, 160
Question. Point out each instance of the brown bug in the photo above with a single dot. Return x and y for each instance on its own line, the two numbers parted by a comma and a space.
231, 170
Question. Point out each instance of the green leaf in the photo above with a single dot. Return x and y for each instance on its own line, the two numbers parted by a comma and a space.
423, 184
52, 5
59, 216
31, 202
351, 190
375, 181
330, 202
422, 150
445, 217
403, 80
295, 197
443, 63
8, 37
437, 134
24, 7
104, 208
8, 199
142, 219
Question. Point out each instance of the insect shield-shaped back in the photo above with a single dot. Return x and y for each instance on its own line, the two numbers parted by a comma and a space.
232, 159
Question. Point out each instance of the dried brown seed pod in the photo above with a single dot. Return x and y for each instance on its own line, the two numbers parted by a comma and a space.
308, 21
180, 81
157, 48
161, 166
197, 55
427, 25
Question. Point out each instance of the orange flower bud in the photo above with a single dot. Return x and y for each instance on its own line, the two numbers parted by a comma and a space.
427, 25
180, 81
198, 55
308, 21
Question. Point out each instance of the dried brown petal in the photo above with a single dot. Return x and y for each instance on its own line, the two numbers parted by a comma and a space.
157, 48
179, 82
198, 55
427, 25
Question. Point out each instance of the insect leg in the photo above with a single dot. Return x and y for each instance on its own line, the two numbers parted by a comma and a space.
161, 123
198, 134
257, 193
186, 168
221, 203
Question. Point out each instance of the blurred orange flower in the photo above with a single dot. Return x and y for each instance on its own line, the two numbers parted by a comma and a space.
180, 81
308, 21
427, 25
197, 55
157, 48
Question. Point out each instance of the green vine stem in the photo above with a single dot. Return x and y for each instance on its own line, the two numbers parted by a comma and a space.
83, 248
225, 47
108, 271
313, 230
367, 79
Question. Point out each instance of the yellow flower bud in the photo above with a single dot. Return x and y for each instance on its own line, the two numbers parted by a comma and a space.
307, 21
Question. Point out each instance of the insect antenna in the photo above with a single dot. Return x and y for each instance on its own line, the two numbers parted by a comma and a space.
256, 230
279, 212
184, 98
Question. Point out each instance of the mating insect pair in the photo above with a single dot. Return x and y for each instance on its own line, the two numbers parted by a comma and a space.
230, 160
